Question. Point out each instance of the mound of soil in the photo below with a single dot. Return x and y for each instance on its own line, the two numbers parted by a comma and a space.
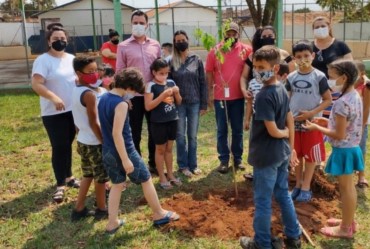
220, 214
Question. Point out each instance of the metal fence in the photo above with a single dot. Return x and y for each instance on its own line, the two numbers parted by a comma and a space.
297, 24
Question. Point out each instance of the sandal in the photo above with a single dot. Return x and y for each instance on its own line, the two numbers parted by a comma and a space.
333, 222
248, 176
73, 183
170, 216
176, 182
187, 172
337, 232
304, 196
197, 171
114, 230
362, 183
165, 185
58, 195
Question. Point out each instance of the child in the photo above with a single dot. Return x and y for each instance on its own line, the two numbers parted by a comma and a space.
272, 125
363, 87
161, 97
344, 130
254, 87
120, 157
309, 96
106, 73
89, 139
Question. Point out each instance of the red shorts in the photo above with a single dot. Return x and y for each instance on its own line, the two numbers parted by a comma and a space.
309, 145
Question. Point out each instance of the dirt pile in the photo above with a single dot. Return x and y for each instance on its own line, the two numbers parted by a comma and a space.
220, 214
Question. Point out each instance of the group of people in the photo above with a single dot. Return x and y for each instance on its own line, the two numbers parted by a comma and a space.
284, 97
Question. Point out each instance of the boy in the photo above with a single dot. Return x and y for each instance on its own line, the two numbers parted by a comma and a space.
89, 139
272, 125
120, 157
167, 51
309, 96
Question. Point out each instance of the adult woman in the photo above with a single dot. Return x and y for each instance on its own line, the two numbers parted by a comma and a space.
109, 49
262, 37
326, 48
188, 73
53, 79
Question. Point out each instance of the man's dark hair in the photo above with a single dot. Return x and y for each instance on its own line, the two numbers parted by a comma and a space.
130, 78
302, 45
269, 53
80, 62
283, 69
139, 13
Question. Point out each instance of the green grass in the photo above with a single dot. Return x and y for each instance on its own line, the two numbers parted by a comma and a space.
29, 218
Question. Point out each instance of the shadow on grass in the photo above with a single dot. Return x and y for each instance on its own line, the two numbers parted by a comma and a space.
22, 206
337, 243
62, 233
362, 201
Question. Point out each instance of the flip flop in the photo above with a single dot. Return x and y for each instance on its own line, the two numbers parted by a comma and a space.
114, 230
248, 176
176, 182
332, 222
170, 216
329, 231
165, 185
363, 184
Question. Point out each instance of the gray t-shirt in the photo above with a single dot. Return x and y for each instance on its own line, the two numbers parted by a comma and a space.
306, 91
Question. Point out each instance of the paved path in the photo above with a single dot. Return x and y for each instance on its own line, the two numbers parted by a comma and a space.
13, 74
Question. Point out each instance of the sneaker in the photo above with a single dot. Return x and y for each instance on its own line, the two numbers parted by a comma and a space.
292, 243
304, 196
247, 243
100, 214
223, 168
197, 171
239, 166
79, 215
186, 172
295, 192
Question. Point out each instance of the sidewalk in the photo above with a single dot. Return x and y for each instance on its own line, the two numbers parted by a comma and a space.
13, 74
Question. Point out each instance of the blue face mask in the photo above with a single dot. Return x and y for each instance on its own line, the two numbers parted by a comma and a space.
263, 76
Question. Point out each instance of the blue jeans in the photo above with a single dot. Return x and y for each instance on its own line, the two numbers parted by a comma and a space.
235, 113
267, 181
187, 127
364, 140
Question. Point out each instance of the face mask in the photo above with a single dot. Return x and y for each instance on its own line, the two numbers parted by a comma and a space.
332, 83
128, 96
59, 45
321, 33
233, 43
304, 63
115, 42
90, 78
107, 81
333, 86
267, 41
138, 30
182, 46
263, 76
161, 78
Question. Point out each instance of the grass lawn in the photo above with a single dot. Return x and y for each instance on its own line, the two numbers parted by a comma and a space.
30, 219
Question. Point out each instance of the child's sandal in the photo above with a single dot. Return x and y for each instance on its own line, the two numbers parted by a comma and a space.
165, 185
176, 182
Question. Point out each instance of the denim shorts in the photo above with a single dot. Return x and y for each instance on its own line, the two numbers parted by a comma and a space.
113, 165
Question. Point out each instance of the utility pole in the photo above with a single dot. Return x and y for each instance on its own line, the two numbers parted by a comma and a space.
93, 23
279, 23
219, 20
157, 20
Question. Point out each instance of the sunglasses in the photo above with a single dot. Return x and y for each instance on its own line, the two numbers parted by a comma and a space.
319, 56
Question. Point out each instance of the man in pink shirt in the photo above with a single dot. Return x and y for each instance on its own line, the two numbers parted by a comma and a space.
139, 51
224, 82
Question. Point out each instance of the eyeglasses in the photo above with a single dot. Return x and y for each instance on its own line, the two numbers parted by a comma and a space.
319, 56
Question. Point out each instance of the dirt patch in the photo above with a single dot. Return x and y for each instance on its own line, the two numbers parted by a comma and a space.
220, 214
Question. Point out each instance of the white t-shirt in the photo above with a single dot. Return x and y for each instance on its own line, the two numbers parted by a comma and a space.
60, 78
85, 134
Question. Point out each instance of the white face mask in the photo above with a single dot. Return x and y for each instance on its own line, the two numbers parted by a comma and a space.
321, 33
332, 83
333, 86
138, 30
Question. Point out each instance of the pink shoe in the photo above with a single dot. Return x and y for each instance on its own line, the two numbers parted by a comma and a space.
332, 222
338, 232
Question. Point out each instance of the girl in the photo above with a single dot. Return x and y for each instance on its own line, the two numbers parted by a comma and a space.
161, 97
343, 129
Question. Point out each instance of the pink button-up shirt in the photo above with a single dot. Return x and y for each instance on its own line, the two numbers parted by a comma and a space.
130, 53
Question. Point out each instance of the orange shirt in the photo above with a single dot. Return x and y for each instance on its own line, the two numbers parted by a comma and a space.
113, 49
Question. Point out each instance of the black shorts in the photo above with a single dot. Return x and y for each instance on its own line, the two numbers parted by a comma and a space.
163, 132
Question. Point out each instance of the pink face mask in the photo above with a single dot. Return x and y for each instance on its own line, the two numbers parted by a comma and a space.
90, 78
107, 81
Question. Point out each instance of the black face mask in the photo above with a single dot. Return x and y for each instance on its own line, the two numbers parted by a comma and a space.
182, 46
233, 43
59, 45
267, 41
115, 42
